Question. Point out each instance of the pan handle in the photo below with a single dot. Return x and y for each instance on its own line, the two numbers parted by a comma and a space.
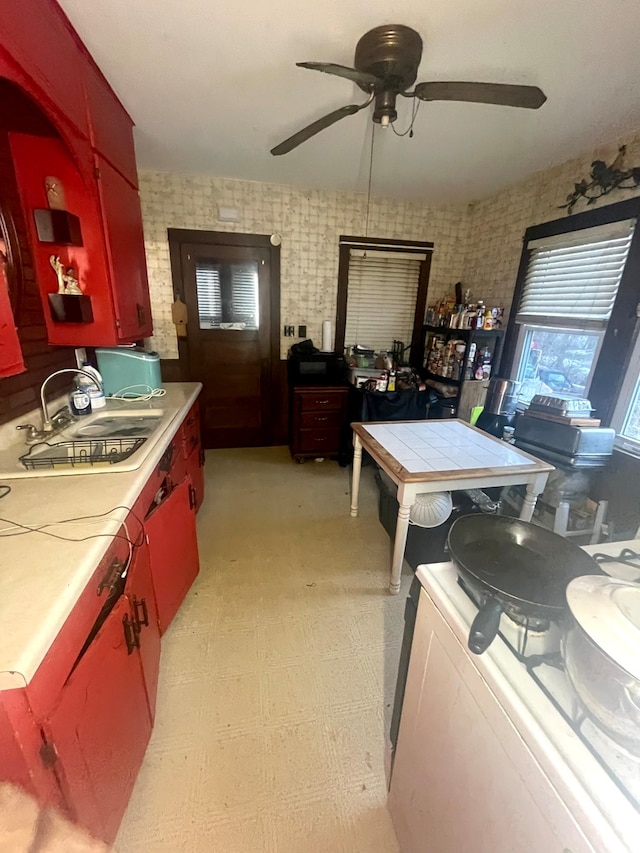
485, 626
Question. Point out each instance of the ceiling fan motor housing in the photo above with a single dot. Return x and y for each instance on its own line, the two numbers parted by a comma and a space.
391, 52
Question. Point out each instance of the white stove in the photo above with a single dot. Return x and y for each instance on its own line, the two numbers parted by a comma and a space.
598, 779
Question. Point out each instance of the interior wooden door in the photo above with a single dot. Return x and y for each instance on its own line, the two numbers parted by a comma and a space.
227, 292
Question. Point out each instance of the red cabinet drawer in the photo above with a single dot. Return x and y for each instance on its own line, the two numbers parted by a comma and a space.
319, 400
320, 440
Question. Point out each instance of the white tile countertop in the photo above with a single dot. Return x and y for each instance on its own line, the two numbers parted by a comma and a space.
449, 445
41, 578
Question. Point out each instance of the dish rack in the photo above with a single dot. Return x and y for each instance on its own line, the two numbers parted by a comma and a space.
89, 451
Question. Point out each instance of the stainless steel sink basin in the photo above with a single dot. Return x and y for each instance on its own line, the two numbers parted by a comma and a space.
115, 439
116, 426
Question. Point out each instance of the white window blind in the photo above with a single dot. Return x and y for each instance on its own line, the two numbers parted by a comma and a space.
381, 297
575, 276
240, 304
208, 290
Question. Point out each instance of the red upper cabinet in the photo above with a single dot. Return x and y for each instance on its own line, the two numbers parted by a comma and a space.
38, 37
10, 351
110, 127
122, 220
89, 145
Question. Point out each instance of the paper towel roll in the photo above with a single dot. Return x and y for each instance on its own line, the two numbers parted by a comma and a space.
327, 336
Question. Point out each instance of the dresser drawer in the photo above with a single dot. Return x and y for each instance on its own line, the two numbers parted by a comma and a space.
321, 440
320, 400
323, 419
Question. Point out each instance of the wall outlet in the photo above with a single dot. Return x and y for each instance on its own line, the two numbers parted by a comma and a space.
302, 331
289, 331
81, 356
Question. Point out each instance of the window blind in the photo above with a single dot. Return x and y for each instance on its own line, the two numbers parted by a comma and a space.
208, 291
242, 304
572, 279
381, 297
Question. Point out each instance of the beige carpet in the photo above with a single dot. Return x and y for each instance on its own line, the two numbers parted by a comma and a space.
277, 675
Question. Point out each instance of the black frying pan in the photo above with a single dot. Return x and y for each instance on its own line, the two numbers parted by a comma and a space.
523, 570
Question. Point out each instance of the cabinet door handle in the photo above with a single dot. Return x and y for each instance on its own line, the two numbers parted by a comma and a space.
111, 576
167, 457
322, 418
141, 605
322, 402
131, 633
202, 457
192, 498
141, 314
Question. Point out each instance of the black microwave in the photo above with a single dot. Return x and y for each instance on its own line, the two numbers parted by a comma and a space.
320, 368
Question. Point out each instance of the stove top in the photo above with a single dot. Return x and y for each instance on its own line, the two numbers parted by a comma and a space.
531, 670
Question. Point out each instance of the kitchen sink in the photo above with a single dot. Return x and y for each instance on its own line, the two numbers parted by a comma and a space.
108, 440
125, 425
95, 452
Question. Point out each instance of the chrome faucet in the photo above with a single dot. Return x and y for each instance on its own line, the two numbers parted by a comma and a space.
62, 418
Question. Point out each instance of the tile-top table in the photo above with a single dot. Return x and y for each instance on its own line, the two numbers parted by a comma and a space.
431, 456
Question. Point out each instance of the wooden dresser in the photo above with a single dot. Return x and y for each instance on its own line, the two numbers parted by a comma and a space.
318, 420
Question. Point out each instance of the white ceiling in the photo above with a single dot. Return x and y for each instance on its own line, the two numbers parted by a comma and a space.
212, 86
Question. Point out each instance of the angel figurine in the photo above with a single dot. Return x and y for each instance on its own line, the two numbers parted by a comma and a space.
71, 282
67, 281
58, 268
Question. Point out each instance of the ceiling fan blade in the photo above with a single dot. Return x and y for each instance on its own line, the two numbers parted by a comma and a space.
504, 94
316, 126
362, 78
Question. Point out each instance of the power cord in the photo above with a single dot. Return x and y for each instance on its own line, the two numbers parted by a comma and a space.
18, 529
128, 394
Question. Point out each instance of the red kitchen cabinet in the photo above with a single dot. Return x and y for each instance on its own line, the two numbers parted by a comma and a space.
141, 595
195, 472
23, 756
10, 350
110, 126
101, 726
38, 37
193, 452
173, 549
122, 220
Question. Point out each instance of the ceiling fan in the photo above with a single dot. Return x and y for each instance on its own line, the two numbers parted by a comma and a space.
386, 65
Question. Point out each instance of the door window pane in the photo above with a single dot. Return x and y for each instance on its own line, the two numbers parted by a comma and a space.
556, 361
228, 294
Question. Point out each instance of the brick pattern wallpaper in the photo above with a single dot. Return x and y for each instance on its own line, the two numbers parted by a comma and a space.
497, 224
309, 222
480, 243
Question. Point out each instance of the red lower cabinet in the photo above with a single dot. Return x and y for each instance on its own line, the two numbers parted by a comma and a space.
144, 610
101, 726
173, 549
195, 470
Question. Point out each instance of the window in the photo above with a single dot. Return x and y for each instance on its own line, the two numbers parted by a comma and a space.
227, 294
626, 418
569, 291
382, 290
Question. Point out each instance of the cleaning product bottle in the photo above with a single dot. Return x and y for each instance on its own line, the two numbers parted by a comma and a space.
94, 389
80, 401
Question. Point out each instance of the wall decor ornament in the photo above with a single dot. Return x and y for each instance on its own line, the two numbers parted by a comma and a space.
603, 180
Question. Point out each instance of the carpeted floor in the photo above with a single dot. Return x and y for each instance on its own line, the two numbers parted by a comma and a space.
277, 675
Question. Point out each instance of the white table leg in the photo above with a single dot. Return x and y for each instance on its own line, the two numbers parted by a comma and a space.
355, 479
534, 488
405, 500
